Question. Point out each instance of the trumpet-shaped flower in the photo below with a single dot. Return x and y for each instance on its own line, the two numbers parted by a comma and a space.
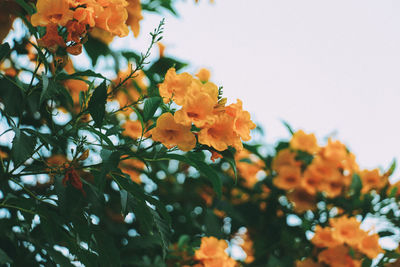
171, 134
52, 12
242, 123
175, 86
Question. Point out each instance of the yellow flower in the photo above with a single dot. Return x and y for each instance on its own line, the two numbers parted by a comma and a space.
211, 248
301, 200
52, 12
134, 16
288, 177
171, 134
112, 17
132, 129
304, 142
242, 123
338, 257
132, 167
371, 179
198, 105
347, 230
220, 134
307, 263
248, 166
203, 75
369, 246
323, 238
335, 152
175, 86
219, 262
283, 158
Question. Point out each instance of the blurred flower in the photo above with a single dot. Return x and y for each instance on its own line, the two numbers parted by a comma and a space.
288, 178
304, 142
132, 129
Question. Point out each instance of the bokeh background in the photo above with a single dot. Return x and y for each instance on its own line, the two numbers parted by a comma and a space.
329, 67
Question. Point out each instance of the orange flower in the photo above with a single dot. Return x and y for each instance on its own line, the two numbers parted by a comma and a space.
56, 162
211, 248
347, 230
248, 166
72, 176
285, 157
161, 49
219, 262
288, 178
203, 75
323, 238
220, 134
335, 152
369, 246
215, 155
372, 180
175, 86
52, 12
301, 200
333, 184
132, 129
247, 246
134, 16
170, 133
242, 123
311, 180
132, 167
198, 105
338, 257
307, 263
304, 142
112, 17
51, 40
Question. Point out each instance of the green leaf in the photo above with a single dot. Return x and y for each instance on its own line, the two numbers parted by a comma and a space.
163, 230
392, 168
44, 93
150, 106
77, 75
4, 50
4, 257
96, 48
131, 55
27, 7
108, 253
366, 262
110, 160
23, 146
356, 184
287, 125
97, 104
161, 66
385, 233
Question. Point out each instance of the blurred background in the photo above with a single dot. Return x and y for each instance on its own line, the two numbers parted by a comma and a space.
329, 67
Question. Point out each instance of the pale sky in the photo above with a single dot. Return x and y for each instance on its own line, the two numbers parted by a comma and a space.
323, 66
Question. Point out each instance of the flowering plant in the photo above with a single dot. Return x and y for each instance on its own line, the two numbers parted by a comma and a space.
135, 162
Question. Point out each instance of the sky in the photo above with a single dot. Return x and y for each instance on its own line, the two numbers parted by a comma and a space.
327, 67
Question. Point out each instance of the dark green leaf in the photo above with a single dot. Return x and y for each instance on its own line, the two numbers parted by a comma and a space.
79, 74
4, 50
96, 48
287, 125
385, 233
150, 106
108, 253
366, 262
97, 104
27, 7
4, 257
23, 146
356, 184
45, 87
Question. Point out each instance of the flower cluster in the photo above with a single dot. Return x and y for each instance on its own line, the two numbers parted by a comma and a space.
343, 235
305, 168
212, 253
219, 126
68, 22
